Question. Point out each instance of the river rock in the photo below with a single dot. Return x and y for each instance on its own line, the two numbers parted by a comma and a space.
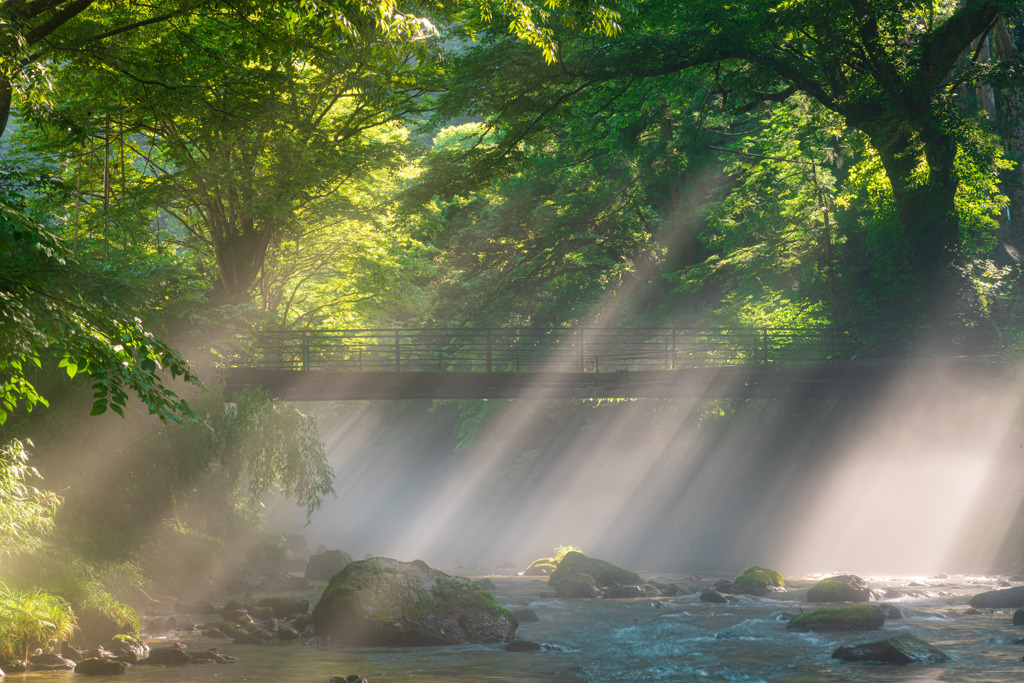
353, 678
577, 587
712, 595
382, 601
171, 655
285, 607
902, 649
523, 646
49, 661
848, 618
843, 588
526, 615
127, 649
1018, 617
214, 656
576, 571
99, 666
1004, 597
756, 580
890, 611
625, 592
195, 607
322, 566
279, 581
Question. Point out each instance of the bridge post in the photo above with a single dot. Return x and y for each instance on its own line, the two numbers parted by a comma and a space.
579, 344
304, 354
764, 334
488, 350
398, 351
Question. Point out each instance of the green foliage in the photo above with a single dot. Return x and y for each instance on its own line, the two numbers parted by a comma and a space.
262, 445
31, 619
26, 512
54, 309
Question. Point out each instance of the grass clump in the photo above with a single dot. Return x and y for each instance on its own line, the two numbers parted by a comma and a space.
31, 619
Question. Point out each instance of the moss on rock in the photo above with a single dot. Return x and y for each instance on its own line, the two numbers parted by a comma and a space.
542, 567
840, 589
756, 580
602, 573
381, 601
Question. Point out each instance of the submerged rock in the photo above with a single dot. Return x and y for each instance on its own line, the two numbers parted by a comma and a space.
843, 588
712, 595
526, 615
175, 654
847, 618
49, 661
100, 666
902, 649
756, 580
1004, 597
382, 601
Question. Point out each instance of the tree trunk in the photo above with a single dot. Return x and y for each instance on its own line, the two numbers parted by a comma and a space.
6, 93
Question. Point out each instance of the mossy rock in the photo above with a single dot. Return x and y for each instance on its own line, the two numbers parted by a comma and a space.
756, 580
845, 588
846, 618
604, 574
381, 601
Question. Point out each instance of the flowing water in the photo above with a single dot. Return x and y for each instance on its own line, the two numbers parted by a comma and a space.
668, 639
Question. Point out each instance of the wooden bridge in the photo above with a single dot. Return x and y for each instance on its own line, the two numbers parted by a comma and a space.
464, 363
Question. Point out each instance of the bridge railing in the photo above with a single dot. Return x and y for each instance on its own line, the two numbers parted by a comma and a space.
536, 349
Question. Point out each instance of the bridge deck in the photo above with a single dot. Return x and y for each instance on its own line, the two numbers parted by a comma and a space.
552, 363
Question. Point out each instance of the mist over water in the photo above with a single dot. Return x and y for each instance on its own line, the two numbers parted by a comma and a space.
922, 476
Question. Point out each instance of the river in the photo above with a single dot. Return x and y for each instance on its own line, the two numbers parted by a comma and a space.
669, 639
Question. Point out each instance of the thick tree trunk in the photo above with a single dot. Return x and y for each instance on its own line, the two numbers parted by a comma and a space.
924, 197
6, 93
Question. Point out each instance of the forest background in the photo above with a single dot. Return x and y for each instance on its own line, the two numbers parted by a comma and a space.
177, 176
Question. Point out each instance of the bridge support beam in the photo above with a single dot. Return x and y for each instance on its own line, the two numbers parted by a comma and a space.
819, 380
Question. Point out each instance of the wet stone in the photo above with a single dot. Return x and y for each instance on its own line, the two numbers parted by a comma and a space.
903, 649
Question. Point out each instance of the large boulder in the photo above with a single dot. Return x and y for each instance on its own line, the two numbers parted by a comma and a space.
902, 649
575, 566
100, 618
322, 566
1002, 598
846, 618
381, 601
756, 580
843, 588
